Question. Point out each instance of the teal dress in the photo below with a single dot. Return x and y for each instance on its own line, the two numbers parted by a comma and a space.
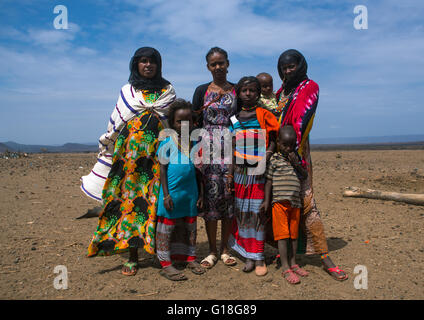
182, 184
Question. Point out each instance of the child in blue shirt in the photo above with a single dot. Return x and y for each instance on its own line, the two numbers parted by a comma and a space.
179, 197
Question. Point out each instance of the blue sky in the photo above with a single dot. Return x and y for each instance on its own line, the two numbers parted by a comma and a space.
59, 86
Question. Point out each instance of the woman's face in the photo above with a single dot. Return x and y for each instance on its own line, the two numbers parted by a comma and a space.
249, 94
147, 67
218, 65
288, 70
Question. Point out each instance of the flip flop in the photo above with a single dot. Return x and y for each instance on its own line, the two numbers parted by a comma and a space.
210, 260
298, 270
196, 268
338, 271
261, 270
131, 266
292, 278
225, 257
176, 276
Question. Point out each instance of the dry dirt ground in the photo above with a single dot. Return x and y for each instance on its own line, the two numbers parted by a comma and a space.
40, 199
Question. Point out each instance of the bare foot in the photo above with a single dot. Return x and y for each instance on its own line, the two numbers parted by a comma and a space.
249, 265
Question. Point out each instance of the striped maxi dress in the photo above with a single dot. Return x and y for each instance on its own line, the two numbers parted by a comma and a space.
247, 234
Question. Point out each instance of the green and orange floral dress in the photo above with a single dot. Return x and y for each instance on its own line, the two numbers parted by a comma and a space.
131, 191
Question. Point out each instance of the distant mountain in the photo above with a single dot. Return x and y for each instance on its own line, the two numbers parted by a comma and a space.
3, 148
370, 140
336, 142
67, 147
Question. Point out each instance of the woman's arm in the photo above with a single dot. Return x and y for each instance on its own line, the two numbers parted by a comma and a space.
200, 187
230, 175
167, 200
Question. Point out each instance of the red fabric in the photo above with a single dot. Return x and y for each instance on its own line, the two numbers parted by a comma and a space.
306, 97
267, 121
251, 191
249, 244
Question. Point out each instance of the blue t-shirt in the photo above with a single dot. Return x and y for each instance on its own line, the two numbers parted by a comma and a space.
182, 184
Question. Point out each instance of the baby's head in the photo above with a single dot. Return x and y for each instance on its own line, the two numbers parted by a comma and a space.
287, 139
180, 111
265, 80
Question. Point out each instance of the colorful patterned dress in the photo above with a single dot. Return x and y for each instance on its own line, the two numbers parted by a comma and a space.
130, 194
248, 234
218, 201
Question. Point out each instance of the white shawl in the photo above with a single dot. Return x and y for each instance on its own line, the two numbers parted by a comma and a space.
130, 103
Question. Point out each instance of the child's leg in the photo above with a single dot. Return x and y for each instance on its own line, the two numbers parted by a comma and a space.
190, 224
164, 230
288, 273
283, 250
294, 220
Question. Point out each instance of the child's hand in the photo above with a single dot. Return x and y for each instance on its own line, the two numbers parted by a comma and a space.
200, 203
293, 159
167, 202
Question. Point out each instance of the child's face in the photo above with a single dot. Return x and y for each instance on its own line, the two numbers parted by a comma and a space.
182, 115
266, 85
249, 94
286, 144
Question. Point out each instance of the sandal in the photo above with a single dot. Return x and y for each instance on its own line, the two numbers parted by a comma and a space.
172, 275
209, 261
337, 270
261, 270
130, 266
195, 267
298, 270
228, 260
292, 278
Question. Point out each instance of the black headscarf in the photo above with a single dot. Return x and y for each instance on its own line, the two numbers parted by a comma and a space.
292, 56
140, 83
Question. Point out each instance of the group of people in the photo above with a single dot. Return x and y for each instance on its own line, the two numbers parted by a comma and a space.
152, 190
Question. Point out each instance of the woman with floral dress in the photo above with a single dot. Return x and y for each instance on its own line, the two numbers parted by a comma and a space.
131, 188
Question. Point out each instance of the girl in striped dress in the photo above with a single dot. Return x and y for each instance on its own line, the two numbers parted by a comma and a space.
254, 132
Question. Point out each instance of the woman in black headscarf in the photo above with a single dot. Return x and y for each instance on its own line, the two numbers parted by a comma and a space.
297, 102
128, 171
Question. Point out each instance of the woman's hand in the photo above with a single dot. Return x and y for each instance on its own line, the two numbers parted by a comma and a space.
167, 202
200, 203
263, 215
230, 183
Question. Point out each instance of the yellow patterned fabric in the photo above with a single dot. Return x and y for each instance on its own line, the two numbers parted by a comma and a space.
131, 190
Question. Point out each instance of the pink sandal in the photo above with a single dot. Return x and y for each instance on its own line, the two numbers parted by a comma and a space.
301, 272
338, 271
292, 278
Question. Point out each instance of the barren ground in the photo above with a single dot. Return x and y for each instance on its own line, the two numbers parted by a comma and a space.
40, 199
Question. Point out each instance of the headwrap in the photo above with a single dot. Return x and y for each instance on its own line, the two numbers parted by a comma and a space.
141, 83
292, 56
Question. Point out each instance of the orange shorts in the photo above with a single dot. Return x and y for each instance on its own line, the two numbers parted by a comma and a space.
285, 220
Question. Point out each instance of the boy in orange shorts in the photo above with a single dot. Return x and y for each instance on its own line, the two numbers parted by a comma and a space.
283, 176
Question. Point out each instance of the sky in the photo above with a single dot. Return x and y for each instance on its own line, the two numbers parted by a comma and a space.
61, 85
